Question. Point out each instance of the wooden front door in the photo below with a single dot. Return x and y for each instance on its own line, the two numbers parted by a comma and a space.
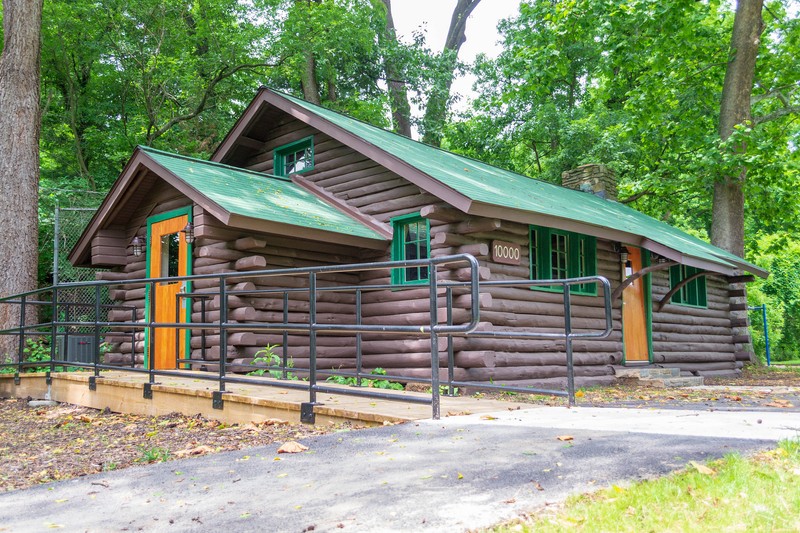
168, 255
634, 312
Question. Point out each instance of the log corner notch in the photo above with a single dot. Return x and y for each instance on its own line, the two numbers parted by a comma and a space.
638, 274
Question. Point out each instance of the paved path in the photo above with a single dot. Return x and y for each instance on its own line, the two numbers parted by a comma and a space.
448, 475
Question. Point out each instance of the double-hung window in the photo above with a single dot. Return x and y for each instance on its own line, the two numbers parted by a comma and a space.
557, 254
294, 158
411, 241
692, 293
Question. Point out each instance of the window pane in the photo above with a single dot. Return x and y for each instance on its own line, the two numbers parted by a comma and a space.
558, 256
170, 246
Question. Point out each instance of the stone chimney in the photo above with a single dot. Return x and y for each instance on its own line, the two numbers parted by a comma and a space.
596, 179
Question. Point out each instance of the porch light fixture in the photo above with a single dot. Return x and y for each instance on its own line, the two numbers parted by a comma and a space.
623, 255
188, 233
137, 246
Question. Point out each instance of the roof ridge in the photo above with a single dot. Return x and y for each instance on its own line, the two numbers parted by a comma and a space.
213, 163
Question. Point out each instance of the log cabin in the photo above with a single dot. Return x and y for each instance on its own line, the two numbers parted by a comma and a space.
294, 184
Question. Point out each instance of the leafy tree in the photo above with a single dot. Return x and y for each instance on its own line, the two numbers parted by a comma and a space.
19, 165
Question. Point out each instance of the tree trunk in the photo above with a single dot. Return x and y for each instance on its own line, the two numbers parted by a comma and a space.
19, 163
398, 96
436, 109
727, 224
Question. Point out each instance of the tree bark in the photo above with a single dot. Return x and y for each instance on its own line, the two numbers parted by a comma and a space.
19, 164
436, 109
727, 224
398, 96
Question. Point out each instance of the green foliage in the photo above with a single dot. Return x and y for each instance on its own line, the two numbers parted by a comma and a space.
153, 455
373, 383
779, 254
271, 363
636, 85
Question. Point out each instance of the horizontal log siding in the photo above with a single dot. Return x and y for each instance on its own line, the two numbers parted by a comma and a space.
696, 340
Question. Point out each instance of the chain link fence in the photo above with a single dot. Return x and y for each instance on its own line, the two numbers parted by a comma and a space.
64, 216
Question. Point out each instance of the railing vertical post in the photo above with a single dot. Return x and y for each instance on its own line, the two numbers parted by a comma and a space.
203, 331
450, 350
21, 356
434, 320
178, 330
568, 342
358, 339
133, 338
223, 332
151, 346
312, 337
96, 330
766, 330
54, 329
285, 348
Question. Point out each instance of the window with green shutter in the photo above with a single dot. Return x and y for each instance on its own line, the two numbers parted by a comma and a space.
692, 293
557, 254
294, 158
411, 240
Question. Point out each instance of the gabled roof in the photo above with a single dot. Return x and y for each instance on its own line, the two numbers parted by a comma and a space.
237, 197
481, 189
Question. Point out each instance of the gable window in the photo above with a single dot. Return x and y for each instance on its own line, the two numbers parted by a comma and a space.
294, 158
557, 254
412, 240
692, 293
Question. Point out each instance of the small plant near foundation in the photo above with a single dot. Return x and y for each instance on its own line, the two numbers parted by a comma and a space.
365, 382
153, 455
444, 390
267, 357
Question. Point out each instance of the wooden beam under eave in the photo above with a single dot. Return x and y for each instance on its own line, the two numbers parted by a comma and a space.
249, 142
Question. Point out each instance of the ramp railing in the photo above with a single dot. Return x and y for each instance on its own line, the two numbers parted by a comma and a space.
215, 303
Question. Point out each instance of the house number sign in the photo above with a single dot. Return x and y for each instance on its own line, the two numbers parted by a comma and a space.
506, 253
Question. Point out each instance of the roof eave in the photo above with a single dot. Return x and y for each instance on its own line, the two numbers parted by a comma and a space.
303, 232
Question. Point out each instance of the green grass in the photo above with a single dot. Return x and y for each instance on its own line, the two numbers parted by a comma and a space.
760, 493
790, 362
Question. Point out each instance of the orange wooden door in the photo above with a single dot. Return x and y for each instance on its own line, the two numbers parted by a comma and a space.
168, 258
634, 316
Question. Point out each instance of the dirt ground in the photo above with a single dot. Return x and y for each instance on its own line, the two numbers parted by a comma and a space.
42, 444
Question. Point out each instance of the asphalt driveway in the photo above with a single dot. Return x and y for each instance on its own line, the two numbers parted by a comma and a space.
455, 474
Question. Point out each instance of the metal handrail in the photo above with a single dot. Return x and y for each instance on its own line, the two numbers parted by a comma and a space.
434, 329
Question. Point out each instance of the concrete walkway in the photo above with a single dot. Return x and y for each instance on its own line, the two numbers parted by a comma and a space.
450, 475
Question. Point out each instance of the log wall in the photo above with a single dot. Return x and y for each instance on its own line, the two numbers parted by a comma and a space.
695, 340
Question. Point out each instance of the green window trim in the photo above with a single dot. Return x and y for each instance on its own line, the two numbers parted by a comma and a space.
294, 158
412, 240
692, 294
558, 254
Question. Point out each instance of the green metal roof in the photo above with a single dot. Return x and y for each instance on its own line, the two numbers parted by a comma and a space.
258, 195
492, 185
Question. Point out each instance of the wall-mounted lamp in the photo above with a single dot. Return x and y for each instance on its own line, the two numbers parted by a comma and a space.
623, 255
188, 233
138, 244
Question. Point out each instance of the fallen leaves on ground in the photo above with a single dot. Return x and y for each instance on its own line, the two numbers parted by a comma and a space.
43, 444
565, 438
776, 388
703, 469
292, 447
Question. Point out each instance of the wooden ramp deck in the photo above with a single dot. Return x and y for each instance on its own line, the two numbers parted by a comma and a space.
123, 392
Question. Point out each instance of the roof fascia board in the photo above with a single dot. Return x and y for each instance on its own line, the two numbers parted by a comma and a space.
568, 224
217, 211
300, 232
238, 128
682, 258
130, 174
377, 154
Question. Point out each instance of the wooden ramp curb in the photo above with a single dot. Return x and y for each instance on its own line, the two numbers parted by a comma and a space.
124, 393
